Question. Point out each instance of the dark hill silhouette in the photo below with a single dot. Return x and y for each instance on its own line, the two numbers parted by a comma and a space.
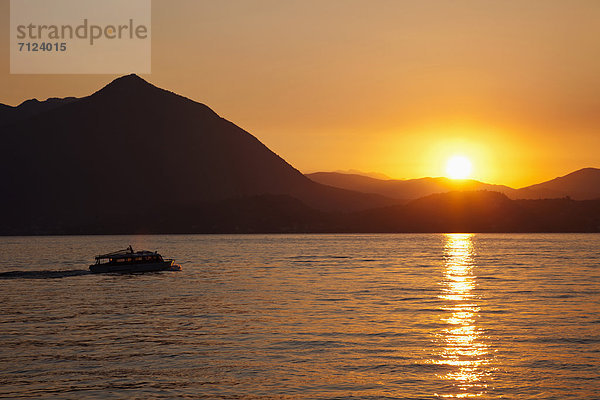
480, 211
132, 147
457, 211
446, 212
409, 189
579, 185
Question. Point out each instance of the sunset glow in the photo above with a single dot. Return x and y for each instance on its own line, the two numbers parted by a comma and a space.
335, 106
383, 199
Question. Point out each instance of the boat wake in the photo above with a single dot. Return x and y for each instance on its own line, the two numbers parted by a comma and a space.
43, 274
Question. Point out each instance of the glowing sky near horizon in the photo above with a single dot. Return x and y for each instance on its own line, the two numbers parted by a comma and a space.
395, 87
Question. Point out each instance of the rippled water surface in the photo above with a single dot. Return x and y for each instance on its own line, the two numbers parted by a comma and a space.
304, 316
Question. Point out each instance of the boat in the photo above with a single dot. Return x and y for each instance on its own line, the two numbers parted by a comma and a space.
130, 261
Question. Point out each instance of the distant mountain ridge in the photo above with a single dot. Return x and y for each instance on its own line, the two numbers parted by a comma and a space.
583, 184
29, 108
375, 175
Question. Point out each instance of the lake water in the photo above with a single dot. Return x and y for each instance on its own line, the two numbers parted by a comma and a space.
304, 316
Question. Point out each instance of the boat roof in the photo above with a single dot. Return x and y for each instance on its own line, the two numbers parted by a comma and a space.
127, 253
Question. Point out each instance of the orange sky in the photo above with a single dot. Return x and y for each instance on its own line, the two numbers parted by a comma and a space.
395, 87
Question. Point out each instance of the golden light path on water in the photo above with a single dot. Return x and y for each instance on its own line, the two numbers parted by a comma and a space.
461, 342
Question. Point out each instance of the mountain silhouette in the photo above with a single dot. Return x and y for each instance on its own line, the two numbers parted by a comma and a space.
132, 148
406, 190
583, 184
579, 185
134, 158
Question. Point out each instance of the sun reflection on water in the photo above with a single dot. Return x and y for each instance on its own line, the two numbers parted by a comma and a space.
461, 342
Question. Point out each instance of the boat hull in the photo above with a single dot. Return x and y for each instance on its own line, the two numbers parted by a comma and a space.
134, 268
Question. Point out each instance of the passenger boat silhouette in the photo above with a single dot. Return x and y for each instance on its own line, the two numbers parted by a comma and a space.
128, 260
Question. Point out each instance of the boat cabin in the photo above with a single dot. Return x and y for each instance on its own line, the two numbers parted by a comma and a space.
128, 256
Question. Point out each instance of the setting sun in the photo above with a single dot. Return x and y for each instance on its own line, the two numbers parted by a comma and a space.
458, 167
